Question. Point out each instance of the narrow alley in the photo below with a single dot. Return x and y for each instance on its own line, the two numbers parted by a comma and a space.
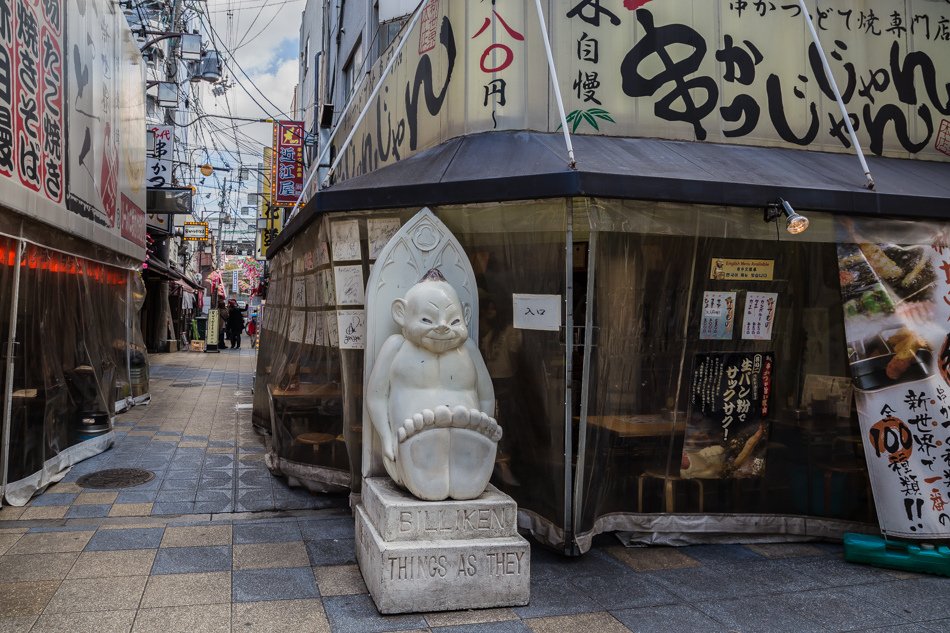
215, 543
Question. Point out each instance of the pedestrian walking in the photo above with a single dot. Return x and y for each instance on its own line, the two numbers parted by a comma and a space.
222, 323
252, 330
235, 324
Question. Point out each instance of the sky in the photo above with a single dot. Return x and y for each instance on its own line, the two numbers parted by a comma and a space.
262, 38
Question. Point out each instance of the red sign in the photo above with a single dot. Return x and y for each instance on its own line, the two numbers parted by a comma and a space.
133, 222
287, 165
31, 96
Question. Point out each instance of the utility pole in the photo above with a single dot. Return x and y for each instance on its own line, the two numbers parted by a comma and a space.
221, 217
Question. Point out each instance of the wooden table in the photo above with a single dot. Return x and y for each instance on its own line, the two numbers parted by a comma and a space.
630, 426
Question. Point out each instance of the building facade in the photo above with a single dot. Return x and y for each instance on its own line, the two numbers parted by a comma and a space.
704, 365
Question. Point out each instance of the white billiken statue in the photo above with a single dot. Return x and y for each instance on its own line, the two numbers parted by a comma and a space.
428, 396
451, 542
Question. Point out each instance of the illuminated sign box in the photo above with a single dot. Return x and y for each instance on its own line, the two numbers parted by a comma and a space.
196, 232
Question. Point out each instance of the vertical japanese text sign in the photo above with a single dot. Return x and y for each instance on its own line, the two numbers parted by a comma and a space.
31, 96
287, 163
159, 170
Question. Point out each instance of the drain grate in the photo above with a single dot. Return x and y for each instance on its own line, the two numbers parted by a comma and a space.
116, 478
187, 384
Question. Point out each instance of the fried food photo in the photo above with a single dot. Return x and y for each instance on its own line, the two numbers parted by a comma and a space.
905, 344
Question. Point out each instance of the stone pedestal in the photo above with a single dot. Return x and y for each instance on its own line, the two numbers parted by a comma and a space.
419, 556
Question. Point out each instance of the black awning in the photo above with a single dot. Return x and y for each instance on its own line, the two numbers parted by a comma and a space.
502, 166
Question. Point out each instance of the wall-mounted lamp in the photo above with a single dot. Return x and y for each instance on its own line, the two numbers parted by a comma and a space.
794, 224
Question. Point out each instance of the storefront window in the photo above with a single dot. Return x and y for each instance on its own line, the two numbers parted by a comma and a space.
717, 379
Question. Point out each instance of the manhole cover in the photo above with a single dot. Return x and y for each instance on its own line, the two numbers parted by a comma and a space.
116, 478
188, 384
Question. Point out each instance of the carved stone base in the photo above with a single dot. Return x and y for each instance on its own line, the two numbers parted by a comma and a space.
420, 556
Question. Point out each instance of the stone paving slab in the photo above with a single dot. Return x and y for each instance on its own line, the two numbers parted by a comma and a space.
124, 560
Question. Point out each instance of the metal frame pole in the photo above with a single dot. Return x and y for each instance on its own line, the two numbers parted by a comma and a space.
557, 86
8, 386
834, 87
372, 96
346, 110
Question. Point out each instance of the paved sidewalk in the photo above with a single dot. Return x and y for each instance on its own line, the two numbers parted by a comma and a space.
215, 543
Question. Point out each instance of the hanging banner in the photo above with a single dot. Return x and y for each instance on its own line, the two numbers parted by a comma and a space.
287, 163
727, 432
896, 312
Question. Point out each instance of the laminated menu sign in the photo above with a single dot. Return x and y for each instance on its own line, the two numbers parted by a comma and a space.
719, 315
896, 312
759, 316
727, 433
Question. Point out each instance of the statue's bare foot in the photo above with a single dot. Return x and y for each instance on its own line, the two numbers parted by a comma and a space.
447, 452
444, 418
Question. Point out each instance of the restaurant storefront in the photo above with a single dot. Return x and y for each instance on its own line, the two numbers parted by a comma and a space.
72, 239
668, 362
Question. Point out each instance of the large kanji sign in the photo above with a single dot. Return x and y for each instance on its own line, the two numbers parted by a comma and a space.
287, 163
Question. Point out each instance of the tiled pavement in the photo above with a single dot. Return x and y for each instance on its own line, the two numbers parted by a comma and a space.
188, 553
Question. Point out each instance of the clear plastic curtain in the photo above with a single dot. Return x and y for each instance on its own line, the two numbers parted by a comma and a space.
309, 390
665, 279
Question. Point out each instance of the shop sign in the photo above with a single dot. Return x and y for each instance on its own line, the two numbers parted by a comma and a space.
196, 232
727, 431
159, 165
272, 216
235, 281
896, 310
732, 72
287, 163
722, 269
105, 115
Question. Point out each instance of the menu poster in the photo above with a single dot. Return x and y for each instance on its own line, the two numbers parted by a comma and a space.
719, 316
896, 314
759, 316
726, 433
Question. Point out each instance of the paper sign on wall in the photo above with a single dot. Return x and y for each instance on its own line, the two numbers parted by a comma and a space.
759, 316
349, 285
345, 236
719, 316
380, 231
352, 329
537, 312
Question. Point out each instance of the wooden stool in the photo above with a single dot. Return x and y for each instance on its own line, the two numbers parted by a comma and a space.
669, 496
317, 440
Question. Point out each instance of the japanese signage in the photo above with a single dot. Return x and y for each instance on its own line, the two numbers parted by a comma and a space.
719, 316
897, 307
759, 316
287, 163
196, 232
159, 165
722, 269
273, 216
71, 85
736, 72
727, 431
536, 312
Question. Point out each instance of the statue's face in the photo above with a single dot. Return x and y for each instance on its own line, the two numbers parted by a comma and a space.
432, 317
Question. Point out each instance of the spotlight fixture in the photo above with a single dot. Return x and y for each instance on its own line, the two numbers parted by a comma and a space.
794, 223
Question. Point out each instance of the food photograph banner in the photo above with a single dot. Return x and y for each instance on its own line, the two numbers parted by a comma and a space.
896, 310
287, 163
727, 430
